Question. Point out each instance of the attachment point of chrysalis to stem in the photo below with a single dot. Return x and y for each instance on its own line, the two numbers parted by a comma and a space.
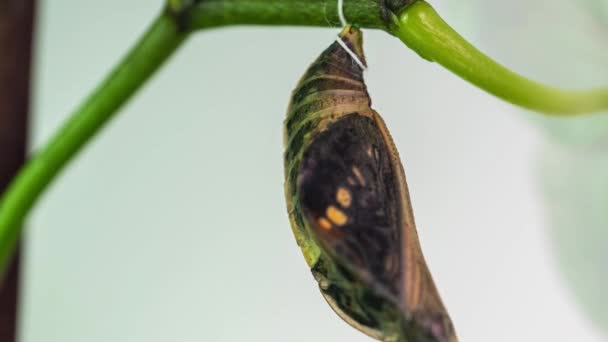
421, 28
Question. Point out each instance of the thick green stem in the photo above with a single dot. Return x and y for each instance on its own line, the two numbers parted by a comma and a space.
418, 26
324, 13
423, 30
162, 38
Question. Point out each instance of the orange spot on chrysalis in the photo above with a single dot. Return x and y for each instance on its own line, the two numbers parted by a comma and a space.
336, 215
344, 197
324, 223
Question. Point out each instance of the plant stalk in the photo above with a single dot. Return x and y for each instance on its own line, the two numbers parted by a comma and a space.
16, 32
418, 25
424, 31
217, 13
160, 41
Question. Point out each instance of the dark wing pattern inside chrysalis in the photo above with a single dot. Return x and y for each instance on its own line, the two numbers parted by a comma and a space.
346, 187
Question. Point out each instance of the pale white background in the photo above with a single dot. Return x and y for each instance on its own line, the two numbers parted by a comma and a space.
171, 225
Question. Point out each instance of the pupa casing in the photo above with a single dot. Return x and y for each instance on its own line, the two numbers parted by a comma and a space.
349, 205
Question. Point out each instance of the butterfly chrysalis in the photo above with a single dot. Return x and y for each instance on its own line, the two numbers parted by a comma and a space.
349, 205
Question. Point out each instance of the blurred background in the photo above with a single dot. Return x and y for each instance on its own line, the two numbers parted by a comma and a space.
171, 225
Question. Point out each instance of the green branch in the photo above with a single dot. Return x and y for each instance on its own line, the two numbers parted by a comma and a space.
154, 48
216, 13
423, 30
417, 25
420, 27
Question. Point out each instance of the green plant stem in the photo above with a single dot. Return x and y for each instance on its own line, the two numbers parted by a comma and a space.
423, 30
420, 27
155, 47
417, 25
324, 13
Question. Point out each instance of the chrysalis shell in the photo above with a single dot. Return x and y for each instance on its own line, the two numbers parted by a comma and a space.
349, 205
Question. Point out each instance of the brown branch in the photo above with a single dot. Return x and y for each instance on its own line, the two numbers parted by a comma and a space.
16, 28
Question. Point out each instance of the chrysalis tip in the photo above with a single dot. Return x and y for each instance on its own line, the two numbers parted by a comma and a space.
353, 39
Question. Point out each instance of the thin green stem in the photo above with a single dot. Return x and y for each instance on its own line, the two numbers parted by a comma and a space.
417, 25
161, 39
422, 29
